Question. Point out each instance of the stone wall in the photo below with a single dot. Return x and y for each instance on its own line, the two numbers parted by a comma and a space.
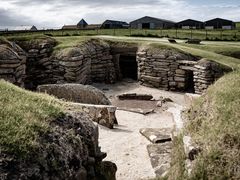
38, 65
12, 63
161, 68
98, 61
169, 69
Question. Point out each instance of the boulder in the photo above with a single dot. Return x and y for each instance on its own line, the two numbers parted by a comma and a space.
76, 93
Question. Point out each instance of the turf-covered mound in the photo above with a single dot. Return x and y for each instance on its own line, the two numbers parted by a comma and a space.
39, 140
214, 124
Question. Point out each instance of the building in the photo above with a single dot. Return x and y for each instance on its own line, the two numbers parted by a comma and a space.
82, 24
219, 23
151, 23
25, 28
93, 26
69, 27
111, 24
190, 24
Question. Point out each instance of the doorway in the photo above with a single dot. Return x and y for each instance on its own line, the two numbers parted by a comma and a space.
128, 67
190, 82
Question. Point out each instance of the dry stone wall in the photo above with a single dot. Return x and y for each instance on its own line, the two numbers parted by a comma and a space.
12, 63
98, 61
169, 69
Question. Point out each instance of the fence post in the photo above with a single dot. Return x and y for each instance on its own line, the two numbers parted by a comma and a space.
191, 33
206, 34
114, 32
176, 33
221, 34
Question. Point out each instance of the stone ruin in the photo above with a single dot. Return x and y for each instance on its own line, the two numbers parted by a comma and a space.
36, 64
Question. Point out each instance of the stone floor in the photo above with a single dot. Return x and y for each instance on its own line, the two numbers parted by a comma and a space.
125, 145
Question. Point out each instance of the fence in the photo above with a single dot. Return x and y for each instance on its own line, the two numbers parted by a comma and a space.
233, 35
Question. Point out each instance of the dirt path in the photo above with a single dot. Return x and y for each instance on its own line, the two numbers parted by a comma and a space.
125, 145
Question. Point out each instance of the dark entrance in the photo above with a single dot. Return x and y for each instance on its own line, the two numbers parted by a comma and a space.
128, 67
189, 82
146, 25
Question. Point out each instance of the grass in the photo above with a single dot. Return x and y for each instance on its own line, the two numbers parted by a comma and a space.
219, 35
214, 125
24, 116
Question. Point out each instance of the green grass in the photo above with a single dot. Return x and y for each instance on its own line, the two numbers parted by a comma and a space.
214, 125
230, 35
24, 115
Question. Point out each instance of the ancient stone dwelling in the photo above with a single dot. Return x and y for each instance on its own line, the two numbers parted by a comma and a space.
33, 63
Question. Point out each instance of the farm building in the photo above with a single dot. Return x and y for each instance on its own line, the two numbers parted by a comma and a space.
110, 24
190, 24
82, 24
219, 23
93, 26
151, 23
69, 27
25, 28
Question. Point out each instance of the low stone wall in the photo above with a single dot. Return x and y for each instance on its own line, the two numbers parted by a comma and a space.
176, 71
12, 63
101, 114
160, 68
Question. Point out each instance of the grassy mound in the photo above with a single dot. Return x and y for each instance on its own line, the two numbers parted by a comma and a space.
24, 116
214, 124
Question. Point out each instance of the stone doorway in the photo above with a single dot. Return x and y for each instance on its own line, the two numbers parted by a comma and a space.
128, 67
190, 82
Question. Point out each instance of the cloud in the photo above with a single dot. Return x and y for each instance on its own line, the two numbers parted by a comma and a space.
55, 13
9, 18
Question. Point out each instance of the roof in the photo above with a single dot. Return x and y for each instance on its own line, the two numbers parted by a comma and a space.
115, 22
82, 22
158, 19
219, 19
192, 20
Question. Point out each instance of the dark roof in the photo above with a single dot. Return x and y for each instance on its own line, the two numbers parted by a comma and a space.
219, 19
158, 19
189, 20
115, 22
82, 22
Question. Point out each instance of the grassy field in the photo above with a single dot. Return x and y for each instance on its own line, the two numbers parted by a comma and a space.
24, 115
216, 35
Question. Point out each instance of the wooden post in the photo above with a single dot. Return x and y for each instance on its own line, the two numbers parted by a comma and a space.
191, 33
176, 33
206, 34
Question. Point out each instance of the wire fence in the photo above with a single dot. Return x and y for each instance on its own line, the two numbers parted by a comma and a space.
203, 34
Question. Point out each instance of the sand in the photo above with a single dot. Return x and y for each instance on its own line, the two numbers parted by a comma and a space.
124, 145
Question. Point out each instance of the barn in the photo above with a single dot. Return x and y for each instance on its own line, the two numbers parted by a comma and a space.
82, 24
190, 24
151, 23
219, 23
111, 24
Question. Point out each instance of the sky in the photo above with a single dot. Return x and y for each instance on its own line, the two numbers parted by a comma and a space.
56, 13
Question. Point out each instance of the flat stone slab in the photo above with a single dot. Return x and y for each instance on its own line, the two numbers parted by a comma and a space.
160, 156
134, 96
156, 135
137, 110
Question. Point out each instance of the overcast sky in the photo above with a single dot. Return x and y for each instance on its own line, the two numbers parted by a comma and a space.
56, 13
